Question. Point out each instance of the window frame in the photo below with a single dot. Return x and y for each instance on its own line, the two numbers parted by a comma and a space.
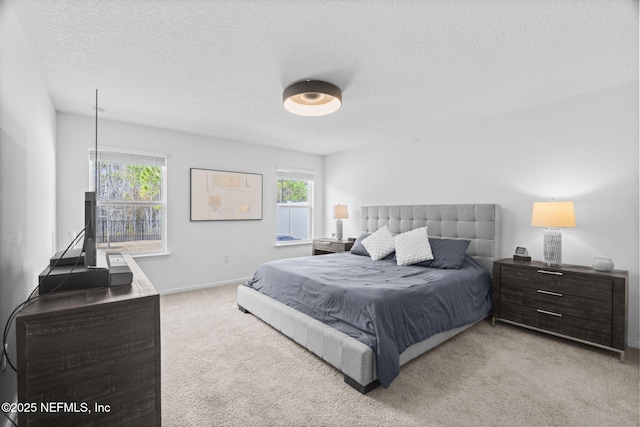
310, 178
163, 250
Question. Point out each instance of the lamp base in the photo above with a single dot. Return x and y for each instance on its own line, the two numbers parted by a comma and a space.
553, 246
339, 229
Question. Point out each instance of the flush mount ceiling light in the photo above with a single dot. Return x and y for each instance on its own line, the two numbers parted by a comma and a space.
312, 98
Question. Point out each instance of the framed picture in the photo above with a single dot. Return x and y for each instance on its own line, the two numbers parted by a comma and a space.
223, 196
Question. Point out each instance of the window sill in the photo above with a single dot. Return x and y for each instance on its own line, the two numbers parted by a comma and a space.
293, 243
150, 255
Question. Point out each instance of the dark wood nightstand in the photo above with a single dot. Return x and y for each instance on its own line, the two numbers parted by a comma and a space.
330, 246
569, 301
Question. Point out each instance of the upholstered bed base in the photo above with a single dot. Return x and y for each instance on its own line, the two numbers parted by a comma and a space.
353, 358
477, 223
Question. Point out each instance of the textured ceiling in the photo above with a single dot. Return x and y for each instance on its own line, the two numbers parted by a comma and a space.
219, 67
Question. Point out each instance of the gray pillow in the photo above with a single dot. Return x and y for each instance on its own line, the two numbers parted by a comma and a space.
447, 253
359, 249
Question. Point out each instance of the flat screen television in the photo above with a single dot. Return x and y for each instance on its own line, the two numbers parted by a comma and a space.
86, 255
89, 243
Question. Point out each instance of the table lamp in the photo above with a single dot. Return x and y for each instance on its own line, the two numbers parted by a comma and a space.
340, 212
553, 216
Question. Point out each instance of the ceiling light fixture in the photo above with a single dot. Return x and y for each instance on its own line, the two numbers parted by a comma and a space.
312, 98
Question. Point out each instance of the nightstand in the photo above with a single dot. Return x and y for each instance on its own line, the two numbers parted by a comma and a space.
569, 301
330, 246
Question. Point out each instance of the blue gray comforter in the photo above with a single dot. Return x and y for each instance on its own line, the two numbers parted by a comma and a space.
386, 306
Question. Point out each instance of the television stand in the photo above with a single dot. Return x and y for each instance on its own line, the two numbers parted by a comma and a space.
112, 270
72, 257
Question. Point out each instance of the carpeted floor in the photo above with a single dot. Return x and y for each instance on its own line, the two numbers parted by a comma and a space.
221, 367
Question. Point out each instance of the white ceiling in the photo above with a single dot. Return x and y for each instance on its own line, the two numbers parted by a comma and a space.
219, 67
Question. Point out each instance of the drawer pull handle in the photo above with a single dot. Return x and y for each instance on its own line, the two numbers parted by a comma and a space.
555, 273
555, 294
549, 312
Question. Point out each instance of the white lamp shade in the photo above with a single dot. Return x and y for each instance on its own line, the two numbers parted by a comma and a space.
340, 212
553, 215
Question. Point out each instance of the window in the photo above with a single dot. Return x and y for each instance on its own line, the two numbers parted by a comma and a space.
131, 202
294, 206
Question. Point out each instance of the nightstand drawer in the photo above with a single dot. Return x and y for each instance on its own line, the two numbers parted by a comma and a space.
559, 323
556, 302
329, 246
563, 282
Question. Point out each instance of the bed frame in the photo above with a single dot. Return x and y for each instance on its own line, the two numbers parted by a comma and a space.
479, 223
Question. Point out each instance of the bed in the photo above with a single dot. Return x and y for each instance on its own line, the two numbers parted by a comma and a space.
343, 307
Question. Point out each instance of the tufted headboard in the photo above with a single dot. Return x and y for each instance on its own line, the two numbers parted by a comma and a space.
479, 223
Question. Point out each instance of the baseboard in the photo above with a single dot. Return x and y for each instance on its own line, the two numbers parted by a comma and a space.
204, 286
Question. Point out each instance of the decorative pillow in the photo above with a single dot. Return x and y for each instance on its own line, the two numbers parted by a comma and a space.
358, 248
412, 247
447, 253
379, 244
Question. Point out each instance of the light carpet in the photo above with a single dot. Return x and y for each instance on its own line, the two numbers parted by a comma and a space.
221, 367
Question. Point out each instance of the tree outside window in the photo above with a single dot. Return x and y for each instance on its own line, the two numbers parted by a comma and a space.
131, 208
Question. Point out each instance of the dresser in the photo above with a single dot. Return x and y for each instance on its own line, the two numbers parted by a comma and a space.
569, 301
328, 246
92, 356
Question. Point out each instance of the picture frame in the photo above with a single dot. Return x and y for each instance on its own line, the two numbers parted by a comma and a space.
218, 195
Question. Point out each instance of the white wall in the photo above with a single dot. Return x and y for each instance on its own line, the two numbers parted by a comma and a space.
583, 149
197, 249
27, 176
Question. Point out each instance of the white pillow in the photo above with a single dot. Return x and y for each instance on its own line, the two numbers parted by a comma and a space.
413, 246
379, 244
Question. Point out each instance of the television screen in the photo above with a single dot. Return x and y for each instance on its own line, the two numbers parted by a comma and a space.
89, 244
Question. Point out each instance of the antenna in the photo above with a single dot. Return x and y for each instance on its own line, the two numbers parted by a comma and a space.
90, 210
96, 151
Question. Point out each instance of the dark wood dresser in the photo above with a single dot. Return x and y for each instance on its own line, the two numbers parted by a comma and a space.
569, 301
91, 357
